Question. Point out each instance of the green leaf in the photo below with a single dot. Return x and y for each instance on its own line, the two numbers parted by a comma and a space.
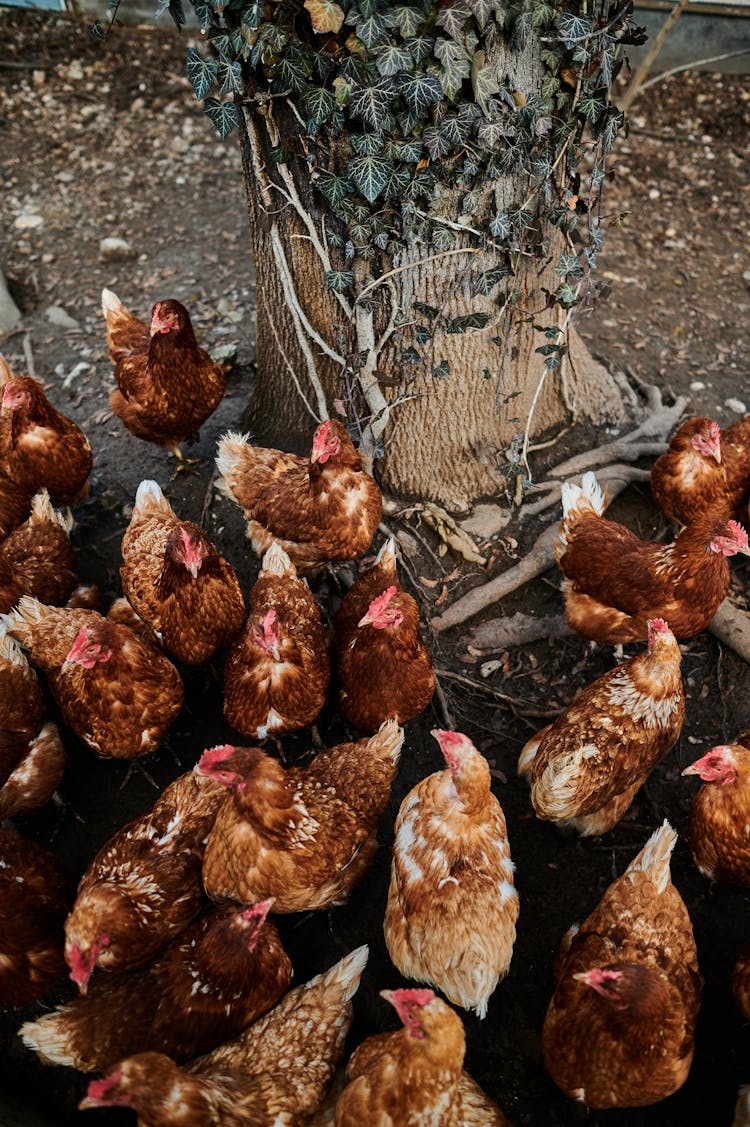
442, 371
491, 133
204, 14
370, 174
437, 145
334, 188
566, 295
500, 225
428, 311
177, 13
339, 280
252, 15
573, 29
373, 30
593, 105
230, 78
420, 91
454, 129
456, 65
372, 104
420, 47
224, 115
408, 19
201, 72
290, 75
319, 103
485, 84
486, 282
367, 144
422, 334
391, 59
442, 238
482, 10
468, 321
453, 17
397, 184
411, 150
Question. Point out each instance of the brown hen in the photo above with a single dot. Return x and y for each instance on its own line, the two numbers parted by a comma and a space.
586, 767
39, 447
277, 672
35, 892
614, 582
144, 884
304, 836
321, 508
383, 667
37, 558
619, 1031
117, 693
167, 385
689, 479
176, 581
719, 815
276, 1072
452, 906
415, 1076
218, 975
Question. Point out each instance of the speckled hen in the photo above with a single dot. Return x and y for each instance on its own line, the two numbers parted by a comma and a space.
719, 824
452, 905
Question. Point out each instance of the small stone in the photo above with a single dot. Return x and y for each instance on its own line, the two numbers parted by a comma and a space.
56, 315
24, 221
74, 71
653, 193
65, 177
735, 405
38, 77
47, 258
113, 249
10, 314
223, 353
697, 385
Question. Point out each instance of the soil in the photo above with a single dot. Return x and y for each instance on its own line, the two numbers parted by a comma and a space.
103, 141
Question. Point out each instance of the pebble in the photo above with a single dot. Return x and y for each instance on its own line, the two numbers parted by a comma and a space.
735, 405
697, 385
24, 221
57, 316
113, 249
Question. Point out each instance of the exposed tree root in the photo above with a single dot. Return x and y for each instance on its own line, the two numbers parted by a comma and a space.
731, 625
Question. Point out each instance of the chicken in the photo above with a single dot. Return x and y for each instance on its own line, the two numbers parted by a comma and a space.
37, 559
118, 694
689, 479
717, 828
305, 835
586, 767
39, 447
415, 1077
166, 385
741, 984
143, 886
277, 672
218, 975
34, 779
318, 509
15, 505
452, 906
614, 582
177, 582
22, 703
276, 1072
35, 892
735, 450
619, 1030
383, 667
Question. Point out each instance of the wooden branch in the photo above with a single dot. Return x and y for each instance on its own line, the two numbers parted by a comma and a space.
653, 50
605, 476
731, 625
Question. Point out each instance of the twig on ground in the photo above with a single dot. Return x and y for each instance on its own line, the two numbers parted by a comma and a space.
208, 497
29, 355
483, 687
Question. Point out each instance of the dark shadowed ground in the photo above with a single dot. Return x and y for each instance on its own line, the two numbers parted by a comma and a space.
108, 141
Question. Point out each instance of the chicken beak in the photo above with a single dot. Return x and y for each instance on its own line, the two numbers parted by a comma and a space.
194, 568
691, 770
366, 621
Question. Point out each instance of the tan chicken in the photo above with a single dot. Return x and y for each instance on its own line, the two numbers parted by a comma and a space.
452, 905
620, 1028
305, 835
144, 885
614, 582
35, 892
318, 509
39, 446
717, 829
277, 672
383, 666
167, 385
586, 767
689, 479
415, 1077
222, 972
37, 558
276, 1072
176, 581
118, 694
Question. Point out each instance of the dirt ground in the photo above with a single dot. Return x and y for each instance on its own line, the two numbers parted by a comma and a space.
108, 141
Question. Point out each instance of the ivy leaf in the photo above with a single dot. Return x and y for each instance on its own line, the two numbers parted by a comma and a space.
334, 188
407, 19
573, 29
454, 129
468, 321
500, 225
453, 17
608, 129
372, 104
391, 59
456, 64
422, 334
397, 185
437, 145
319, 103
442, 371
367, 144
230, 78
203, 13
593, 105
491, 133
442, 238
201, 72
224, 115
420, 91
176, 12
410, 150
339, 280
481, 11
428, 311
290, 75
325, 15
483, 80
486, 282
252, 16
370, 174
373, 30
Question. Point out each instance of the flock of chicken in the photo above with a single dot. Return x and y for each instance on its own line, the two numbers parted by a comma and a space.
186, 1008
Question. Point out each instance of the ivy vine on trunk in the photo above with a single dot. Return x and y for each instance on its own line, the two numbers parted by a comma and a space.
425, 188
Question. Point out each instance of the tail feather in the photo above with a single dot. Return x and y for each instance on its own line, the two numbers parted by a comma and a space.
42, 510
388, 740
148, 497
277, 562
343, 978
10, 650
49, 1038
5, 372
387, 553
655, 856
576, 500
20, 622
111, 303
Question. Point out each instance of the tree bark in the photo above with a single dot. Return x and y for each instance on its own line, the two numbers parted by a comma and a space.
448, 418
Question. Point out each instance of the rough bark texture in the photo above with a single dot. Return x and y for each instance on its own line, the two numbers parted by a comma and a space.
448, 442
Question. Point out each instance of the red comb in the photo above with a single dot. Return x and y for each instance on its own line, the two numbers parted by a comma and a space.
737, 532
380, 603
214, 755
100, 1089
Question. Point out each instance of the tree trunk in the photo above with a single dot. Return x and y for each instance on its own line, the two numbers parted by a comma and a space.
447, 399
